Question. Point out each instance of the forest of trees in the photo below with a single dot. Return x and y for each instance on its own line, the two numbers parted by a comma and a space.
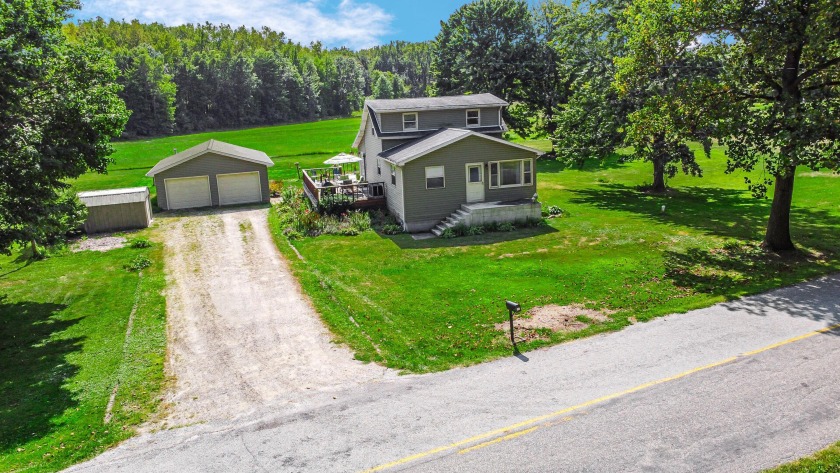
201, 77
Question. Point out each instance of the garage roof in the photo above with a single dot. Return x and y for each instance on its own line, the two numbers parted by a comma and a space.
114, 196
218, 147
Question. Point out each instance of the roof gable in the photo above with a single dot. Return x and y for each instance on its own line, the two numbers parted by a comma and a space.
408, 152
214, 146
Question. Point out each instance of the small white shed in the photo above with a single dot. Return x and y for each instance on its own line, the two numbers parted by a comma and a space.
117, 209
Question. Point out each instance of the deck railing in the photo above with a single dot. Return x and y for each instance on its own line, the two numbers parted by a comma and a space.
326, 192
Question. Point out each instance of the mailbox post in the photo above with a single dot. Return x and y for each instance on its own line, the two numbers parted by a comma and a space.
512, 307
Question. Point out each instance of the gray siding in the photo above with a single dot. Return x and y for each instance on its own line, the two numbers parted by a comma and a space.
435, 119
432, 205
110, 218
210, 164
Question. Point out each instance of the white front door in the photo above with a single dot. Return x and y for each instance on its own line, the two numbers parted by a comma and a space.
475, 182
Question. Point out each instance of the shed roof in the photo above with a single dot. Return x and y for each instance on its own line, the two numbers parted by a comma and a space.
408, 152
218, 147
114, 196
435, 103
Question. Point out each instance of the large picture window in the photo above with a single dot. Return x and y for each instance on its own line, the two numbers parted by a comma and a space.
409, 121
518, 172
435, 177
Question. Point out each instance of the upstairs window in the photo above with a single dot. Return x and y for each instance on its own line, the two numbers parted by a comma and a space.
393, 175
473, 118
435, 178
409, 121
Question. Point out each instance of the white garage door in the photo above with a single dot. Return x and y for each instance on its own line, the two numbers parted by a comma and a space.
239, 188
188, 192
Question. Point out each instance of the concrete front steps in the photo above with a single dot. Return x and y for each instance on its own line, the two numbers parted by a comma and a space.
458, 217
482, 213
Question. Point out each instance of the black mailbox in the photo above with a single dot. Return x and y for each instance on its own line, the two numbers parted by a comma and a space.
512, 306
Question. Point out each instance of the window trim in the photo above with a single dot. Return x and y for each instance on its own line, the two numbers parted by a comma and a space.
416, 121
499, 173
443, 176
393, 174
378, 166
467, 117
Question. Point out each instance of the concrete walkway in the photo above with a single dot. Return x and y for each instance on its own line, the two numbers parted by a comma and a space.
686, 392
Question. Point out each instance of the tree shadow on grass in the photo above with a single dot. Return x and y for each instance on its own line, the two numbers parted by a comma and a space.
714, 211
34, 370
746, 268
406, 242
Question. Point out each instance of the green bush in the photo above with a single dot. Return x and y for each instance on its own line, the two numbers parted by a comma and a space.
391, 229
556, 211
138, 263
448, 233
506, 227
139, 242
475, 230
359, 221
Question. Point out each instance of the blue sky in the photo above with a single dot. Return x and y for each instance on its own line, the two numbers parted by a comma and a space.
352, 23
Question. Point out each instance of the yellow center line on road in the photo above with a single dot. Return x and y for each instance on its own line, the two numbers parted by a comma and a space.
525, 427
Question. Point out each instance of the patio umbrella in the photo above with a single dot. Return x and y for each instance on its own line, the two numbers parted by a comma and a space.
342, 158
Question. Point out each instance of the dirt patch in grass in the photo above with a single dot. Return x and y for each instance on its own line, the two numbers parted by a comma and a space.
553, 317
103, 243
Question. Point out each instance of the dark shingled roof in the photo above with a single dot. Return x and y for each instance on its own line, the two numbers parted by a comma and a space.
436, 103
407, 152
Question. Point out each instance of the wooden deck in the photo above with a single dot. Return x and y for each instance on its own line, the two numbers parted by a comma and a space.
322, 191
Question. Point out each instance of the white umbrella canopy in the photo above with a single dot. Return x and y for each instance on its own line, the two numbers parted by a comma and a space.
343, 158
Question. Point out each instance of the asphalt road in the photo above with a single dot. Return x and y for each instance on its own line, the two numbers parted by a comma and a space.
740, 386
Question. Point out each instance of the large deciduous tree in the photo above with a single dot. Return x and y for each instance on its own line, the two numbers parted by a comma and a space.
777, 97
59, 109
486, 46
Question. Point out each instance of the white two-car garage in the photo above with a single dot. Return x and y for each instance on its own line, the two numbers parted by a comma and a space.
211, 174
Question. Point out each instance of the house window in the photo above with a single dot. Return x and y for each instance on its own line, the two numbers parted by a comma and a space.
513, 173
435, 178
409, 121
393, 174
379, 167
494, 174
473, 118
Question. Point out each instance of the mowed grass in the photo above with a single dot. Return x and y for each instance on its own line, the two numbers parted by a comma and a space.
310, 144
429, 305
63, 345
824, 461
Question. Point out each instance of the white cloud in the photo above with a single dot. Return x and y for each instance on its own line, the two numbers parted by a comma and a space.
350, 23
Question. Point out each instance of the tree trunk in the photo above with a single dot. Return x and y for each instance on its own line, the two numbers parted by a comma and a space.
35, 253
777, 237
658, 174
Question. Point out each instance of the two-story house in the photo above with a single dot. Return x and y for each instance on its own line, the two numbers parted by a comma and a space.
443, 161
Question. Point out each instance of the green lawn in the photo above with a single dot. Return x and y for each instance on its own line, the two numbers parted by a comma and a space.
430, 305
62, 341
307, 143
824, 461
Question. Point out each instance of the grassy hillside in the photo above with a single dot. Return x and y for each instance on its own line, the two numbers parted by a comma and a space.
307, 143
